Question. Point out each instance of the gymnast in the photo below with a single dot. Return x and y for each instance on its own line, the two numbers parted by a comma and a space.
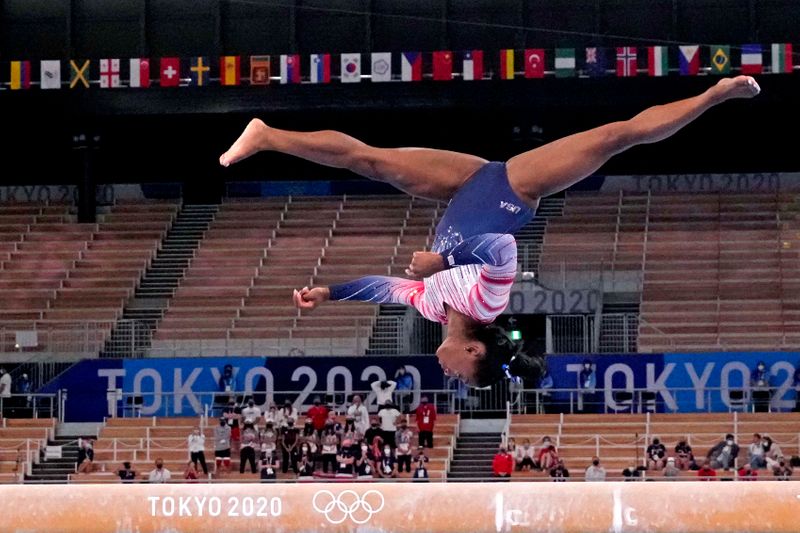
466, 278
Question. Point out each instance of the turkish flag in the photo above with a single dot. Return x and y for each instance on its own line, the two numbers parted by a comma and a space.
534, 63
170, 71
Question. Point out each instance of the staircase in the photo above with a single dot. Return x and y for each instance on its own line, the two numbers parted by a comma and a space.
56, 470
473, 455
133, 332
388, 333
530, 237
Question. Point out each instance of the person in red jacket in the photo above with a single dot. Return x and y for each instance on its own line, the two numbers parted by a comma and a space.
503, 463
706, 473
318, 414
426, 418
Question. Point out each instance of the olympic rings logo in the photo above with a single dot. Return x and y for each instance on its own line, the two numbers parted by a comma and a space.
348, 504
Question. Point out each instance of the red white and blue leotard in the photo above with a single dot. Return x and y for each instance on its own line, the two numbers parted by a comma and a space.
475, 239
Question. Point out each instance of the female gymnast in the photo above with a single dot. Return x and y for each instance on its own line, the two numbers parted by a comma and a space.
465, 280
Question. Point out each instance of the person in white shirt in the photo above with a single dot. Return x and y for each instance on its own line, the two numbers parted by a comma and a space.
286, 413
383, 391
5, 384
251, 414
388, 415
197, 446
360, 414
159, 474
524, 456
595, 472
756, 454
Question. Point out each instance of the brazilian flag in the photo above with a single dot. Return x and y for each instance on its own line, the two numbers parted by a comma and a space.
720, 59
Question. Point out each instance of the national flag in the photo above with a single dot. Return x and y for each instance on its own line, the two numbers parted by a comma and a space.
507, 64
320, 68
597, 62
411, 66
230, 70
657, 61
720, 59
290, 68
689, 59
534, 63
627, 60
782, 58
351, 68
565, 62
79, 74
170, 72
109, 73
381, 66
199, 71
51, 74
752, 59
443, 65
473, 65
20, 75
140, 72
259, 70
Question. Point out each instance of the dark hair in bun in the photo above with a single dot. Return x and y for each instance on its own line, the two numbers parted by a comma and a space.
501, 350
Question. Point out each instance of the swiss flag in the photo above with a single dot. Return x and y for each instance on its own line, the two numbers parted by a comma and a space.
443, 66
534, 63
170, 71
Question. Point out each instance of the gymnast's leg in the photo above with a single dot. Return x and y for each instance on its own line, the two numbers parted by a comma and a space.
561, 163
423, 172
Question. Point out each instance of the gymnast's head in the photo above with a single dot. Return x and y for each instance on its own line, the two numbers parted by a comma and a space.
484, 354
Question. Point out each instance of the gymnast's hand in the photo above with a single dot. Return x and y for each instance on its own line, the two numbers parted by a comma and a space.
425, 264
310, 299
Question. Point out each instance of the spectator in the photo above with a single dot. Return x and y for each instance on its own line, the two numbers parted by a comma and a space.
503, 464
560, 472
287, 413
544, 387
656, 453
511, 445
683, 453
373, 431
388, 463
548, 455
523, 456
23, 387
269, 439
330, 448
421, 468
747, 473
5, 384
305, 466
671, 470
346, 463
222, 445
309, 442
706, 473
782, 471
723, 454
159, 474
350, 431
289, 440
403, 439
251, 414
127, 474
268, 466
190, 474
755, 452
271, 415
587, 383
426, 418
318, 414
359, 413
363, 466
197, 446
383, 391
405, 384
85, 456
232, 414
337, 427
388, 416
247, 451
595, 472
772, 452
759, 388
227, 381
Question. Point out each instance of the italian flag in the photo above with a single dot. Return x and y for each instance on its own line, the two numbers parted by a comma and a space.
507, 64
657, 61
781, 57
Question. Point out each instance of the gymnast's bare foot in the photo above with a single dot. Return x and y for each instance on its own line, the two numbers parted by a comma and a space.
738, 87
252, 140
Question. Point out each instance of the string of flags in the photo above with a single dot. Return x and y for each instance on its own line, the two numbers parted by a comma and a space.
443, 65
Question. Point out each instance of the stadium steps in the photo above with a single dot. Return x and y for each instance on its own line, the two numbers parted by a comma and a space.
531, 236
56, 470
473, 456
132, 334
387, 335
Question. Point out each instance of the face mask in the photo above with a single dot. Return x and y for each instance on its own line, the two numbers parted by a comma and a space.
374, 424
656, 442
387, 451
363, 448
305, 448
595, 463
404, 427
250, 404
587, 367
546, 442
729, 442
761, 367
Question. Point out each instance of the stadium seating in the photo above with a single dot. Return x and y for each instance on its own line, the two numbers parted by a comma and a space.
18, 436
